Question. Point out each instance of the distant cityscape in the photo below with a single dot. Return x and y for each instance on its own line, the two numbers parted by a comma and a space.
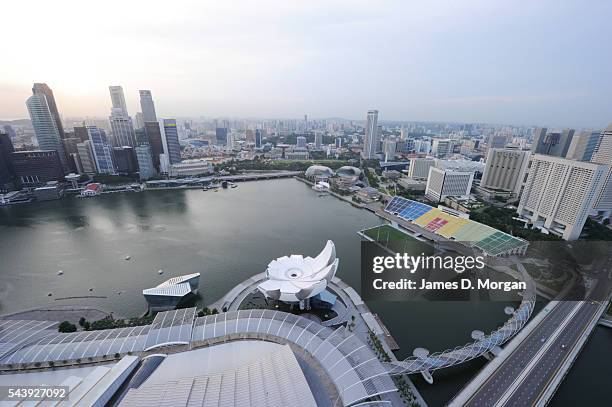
494, 191
555, 178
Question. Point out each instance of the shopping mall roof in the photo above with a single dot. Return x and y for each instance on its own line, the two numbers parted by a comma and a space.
275, 379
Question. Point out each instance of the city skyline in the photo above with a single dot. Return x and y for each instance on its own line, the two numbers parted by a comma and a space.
468, 63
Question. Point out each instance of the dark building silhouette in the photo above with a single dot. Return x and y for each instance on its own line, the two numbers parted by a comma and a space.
80, 132
221, 135
155, 141
125, 160
552, 143
7, 175
36, 168
71, 149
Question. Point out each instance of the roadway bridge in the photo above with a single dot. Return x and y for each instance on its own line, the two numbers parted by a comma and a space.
258, 176
532, 366
199, 182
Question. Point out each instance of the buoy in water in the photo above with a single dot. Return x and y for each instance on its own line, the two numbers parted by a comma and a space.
160, 271
90, 289
49, 294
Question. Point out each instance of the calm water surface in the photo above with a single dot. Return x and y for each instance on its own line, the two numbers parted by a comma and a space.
227, 236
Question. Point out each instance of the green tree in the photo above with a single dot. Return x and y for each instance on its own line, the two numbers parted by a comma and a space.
66, 327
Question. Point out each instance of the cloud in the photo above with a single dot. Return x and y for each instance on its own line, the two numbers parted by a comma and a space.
411, 60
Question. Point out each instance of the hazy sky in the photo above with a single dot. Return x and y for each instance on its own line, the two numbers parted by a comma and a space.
523, 62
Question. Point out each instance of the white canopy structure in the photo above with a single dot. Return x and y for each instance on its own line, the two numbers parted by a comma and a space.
168, 294
296, 278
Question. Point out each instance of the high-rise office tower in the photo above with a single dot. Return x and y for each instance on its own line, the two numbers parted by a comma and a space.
102, 151
258, 138
318, 139
44, 89
390, 147
539, 133
86, 158
153, 132
125, 160
583, 145
444, 183
146, 169
147, 106
559, 194
422, 146
70, 145
497, 141
552, 143
80, 132
371, 141
221, 135
231, 143
118, 99
301, 142
172, 147
505, 169
45, 127
121, 123
442, 147
123, 131
138, 121
140, 137
7, 175
603, 155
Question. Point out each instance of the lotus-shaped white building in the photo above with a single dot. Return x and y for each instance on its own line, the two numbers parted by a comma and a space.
296, 278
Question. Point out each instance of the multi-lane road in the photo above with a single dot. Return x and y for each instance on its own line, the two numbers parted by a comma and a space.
525, 377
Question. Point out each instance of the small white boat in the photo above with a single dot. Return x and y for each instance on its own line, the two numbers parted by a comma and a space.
128, 257
160, 271
59, 273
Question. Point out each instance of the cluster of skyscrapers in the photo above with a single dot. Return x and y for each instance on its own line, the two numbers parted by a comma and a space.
559, 182
146, 147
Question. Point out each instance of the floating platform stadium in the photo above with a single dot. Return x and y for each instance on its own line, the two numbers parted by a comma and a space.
169, 294
490, 241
